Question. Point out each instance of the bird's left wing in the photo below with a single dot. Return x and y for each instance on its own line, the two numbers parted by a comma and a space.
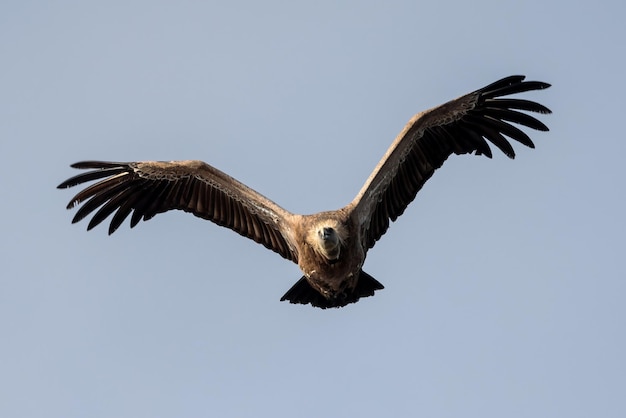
150, 187
461, 126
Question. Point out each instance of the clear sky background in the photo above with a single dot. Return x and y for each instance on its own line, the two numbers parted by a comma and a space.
505, 280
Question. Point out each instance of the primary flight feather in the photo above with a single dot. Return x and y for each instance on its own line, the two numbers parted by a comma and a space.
329, 247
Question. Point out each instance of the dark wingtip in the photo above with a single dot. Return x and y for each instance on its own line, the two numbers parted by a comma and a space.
511, 85
100, 169
543, 85
97, 164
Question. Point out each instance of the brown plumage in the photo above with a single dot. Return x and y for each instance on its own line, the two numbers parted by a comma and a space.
330, 247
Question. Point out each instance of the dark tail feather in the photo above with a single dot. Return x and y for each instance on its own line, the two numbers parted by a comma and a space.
303, 293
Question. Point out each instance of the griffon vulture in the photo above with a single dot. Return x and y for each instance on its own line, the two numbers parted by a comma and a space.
329, 247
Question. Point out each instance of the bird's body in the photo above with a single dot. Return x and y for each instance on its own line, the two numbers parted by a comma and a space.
329, 247
330, 252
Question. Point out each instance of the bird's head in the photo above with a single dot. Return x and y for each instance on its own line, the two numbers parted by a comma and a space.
328, 239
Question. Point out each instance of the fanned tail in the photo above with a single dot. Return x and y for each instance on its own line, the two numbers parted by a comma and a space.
303, 293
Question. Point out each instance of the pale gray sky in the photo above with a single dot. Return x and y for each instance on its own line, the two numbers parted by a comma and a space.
505, 280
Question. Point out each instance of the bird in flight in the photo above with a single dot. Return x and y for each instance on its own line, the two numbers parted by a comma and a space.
329, 247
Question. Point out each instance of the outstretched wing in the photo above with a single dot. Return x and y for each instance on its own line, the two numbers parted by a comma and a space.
150, 187
461, 126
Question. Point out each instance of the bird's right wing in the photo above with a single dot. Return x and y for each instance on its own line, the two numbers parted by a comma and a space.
151, 187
